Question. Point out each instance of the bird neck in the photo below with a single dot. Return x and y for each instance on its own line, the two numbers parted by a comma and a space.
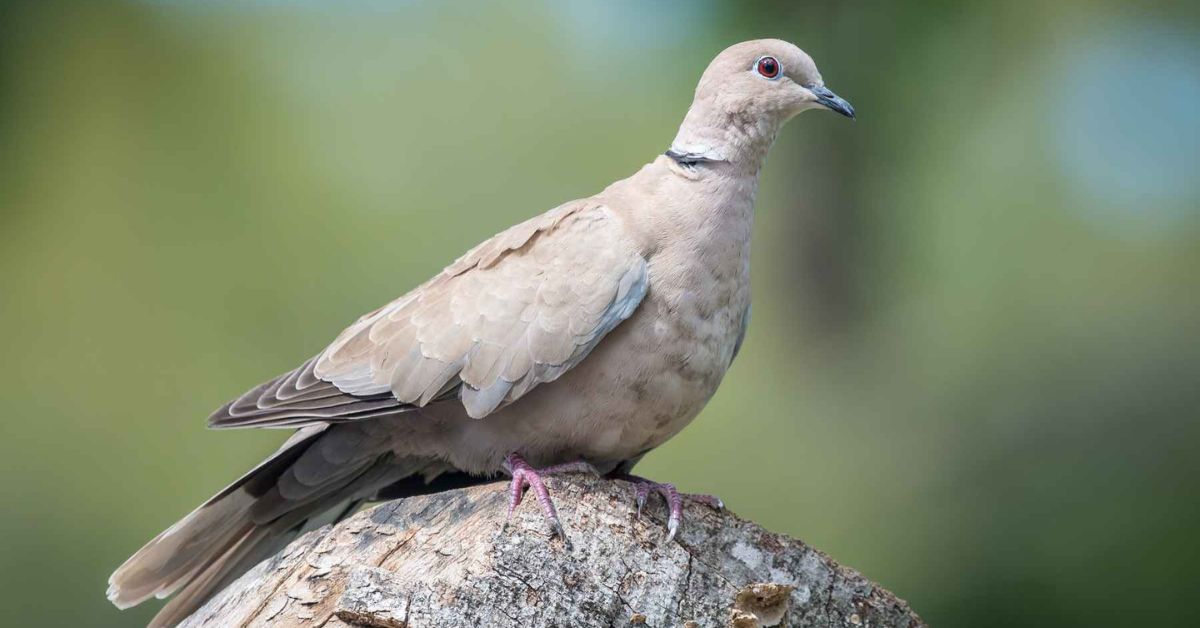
709, 134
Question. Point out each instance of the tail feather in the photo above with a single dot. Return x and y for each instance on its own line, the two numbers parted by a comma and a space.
252, 518
177, 554
206, 581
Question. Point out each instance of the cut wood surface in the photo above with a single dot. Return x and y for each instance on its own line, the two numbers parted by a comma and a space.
448, 561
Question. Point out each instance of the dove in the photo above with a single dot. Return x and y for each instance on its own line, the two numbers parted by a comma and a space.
578, 340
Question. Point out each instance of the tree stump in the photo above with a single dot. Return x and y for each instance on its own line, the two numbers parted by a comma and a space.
448, 561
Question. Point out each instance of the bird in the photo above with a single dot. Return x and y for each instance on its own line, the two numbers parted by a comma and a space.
577, 340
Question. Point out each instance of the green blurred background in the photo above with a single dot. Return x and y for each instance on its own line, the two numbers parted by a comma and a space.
974, 365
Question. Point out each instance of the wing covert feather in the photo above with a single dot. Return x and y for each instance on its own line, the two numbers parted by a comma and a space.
516, 311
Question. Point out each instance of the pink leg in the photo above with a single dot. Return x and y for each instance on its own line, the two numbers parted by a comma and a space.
525, 476
642, 488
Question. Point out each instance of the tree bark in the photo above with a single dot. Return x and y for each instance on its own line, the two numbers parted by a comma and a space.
447, 561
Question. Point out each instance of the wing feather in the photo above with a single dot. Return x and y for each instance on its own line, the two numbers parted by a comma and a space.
517, 311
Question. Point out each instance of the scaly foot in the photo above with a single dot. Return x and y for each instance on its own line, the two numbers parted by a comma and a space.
526, 477
674, 498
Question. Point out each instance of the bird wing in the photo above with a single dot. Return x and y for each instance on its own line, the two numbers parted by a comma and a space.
518, 310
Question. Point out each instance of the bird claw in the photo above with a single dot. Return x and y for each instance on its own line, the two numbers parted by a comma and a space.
672, 528
525, 477
643, 493
674, 499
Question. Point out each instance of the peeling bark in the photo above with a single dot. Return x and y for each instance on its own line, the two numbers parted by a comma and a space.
447, 561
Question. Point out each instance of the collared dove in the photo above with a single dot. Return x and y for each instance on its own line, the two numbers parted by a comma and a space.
577, 340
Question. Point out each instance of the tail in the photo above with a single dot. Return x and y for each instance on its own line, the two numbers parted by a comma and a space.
321, 474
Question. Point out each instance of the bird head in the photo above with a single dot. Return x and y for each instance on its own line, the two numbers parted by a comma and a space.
746, 94
766, 77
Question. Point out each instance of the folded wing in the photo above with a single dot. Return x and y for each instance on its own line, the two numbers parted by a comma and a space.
518, 310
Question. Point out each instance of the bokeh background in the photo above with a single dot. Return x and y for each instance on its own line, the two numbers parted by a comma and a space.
974, 368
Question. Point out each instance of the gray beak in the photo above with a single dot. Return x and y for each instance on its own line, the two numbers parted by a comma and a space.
832, 101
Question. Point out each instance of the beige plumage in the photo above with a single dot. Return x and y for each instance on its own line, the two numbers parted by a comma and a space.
593, 332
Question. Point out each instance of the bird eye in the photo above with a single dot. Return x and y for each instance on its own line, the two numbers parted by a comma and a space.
768, 67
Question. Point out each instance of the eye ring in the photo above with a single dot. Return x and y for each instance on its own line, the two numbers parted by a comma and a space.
768, 67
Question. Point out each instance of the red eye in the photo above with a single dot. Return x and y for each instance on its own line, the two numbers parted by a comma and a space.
768, 67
